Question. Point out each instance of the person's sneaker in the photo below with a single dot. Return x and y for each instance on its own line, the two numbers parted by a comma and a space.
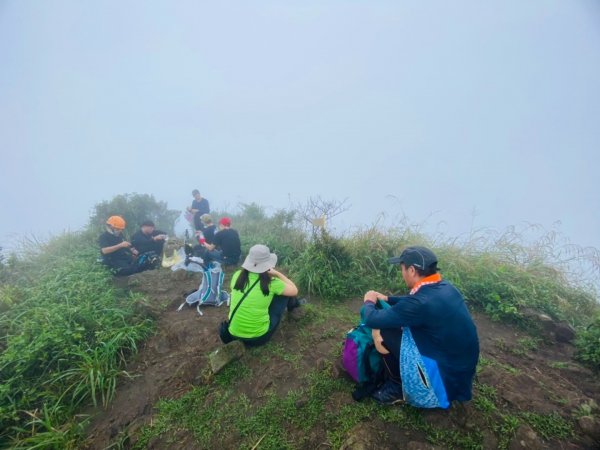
390, 393
296, 303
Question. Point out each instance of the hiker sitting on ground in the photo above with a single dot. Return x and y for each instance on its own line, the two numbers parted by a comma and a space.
226, 247
199, 206
440, 324
117, 253
149, 239
206, 236
264, 293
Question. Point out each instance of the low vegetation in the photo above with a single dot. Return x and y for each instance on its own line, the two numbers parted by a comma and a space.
66, 331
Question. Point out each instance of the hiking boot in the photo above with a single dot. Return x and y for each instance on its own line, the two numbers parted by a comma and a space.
390, 393
295, 303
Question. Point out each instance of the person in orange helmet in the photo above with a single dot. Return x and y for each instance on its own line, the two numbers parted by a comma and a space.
117, 253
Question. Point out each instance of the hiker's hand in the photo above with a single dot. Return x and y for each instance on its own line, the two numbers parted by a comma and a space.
125, 244
380, 296
371, 296
134, 252
160, 237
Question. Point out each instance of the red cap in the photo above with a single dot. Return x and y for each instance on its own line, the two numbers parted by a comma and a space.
225, 221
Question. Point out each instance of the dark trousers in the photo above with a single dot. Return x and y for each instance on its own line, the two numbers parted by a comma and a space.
276, 310
392, 338
124, 270
198, 225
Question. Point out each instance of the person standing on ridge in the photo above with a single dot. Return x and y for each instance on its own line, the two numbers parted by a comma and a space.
199, 207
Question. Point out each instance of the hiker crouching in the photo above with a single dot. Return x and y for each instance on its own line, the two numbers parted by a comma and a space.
428, 340
117, 253
260, 296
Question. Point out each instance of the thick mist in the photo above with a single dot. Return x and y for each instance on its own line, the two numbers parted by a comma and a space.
462, 115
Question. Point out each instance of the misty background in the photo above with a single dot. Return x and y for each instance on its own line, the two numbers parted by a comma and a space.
460, 115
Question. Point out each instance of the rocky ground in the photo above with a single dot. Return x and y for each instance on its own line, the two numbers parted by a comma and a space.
529, 393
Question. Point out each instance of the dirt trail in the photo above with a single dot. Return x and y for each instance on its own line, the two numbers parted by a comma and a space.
543, 380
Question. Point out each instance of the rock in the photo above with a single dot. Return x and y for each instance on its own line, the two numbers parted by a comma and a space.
225, 354
321, 364
361, 437
563, 332
559, 331
590, 426
514, 398
526, 438
489, 439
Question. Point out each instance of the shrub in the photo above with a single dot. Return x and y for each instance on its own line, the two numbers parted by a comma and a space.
588, 344
280, 231
324, 268
134, 208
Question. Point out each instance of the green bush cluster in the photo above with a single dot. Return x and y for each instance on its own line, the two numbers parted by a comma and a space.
279, 231
504, 289
134, 208
64, 335
588, 344
341, 268
324, 268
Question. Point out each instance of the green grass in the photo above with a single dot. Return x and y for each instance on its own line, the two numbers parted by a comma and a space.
549, 426
65, 334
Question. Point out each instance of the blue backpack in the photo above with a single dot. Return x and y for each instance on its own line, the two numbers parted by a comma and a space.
360, 358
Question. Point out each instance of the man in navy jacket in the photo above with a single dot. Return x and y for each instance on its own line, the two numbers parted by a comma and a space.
440, 323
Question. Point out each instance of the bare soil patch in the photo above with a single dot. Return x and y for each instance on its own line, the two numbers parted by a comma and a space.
528, 375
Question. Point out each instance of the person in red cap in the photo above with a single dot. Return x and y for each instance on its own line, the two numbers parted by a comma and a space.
226, 247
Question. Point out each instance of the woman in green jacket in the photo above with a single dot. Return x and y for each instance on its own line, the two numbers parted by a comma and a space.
264, 293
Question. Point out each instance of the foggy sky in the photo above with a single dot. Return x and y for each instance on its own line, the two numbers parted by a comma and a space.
463, 114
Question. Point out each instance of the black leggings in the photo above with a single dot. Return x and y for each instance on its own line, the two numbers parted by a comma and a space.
276, 310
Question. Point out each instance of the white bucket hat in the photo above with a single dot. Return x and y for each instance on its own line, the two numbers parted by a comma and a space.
259, 259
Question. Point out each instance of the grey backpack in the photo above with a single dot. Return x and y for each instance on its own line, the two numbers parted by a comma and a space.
210, 292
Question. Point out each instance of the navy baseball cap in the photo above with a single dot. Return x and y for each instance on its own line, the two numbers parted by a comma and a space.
420, 257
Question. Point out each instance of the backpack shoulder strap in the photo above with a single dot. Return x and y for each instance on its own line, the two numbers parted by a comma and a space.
242, 299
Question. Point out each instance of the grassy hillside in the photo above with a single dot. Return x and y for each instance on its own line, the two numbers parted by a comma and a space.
66, 331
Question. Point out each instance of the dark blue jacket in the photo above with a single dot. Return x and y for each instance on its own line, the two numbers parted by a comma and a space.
442, 328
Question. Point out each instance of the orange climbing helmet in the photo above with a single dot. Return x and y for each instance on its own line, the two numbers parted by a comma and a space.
116, 222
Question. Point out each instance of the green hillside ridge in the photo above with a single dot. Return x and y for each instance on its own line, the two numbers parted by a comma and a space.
67, 332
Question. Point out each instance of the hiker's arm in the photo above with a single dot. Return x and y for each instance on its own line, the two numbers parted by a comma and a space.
392, 300
378, 341
373, 296
114, 248
405, 313
159, 235
290, 289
